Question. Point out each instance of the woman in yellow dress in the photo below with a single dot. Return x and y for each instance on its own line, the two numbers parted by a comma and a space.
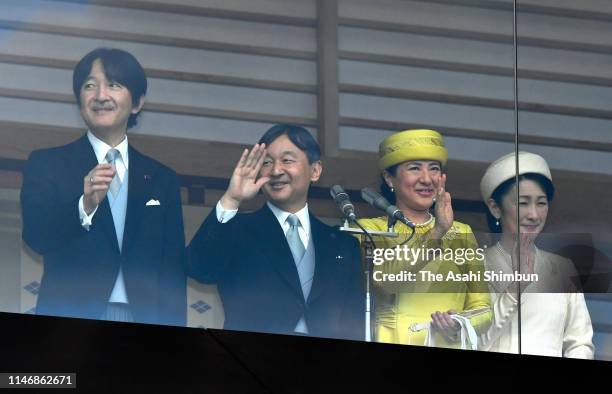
412, 164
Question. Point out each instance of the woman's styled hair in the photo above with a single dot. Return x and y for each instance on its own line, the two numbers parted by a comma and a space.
504, 188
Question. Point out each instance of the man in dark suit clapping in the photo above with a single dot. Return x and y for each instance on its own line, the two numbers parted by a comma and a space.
280, 269
106, 218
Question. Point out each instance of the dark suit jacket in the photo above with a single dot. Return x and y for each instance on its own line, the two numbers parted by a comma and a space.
80, 266
250, 261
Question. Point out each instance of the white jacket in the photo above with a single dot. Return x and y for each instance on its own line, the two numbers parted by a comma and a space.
552, 323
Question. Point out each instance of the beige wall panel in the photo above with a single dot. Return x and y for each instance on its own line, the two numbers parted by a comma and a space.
494, 120
162, 57
159, 24
163, 91
473, 85
151, 123
293, 8
473, 52
422, 13
486, 151
424, 47
597, 6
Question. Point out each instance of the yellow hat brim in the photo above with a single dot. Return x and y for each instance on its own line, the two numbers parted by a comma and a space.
408, 145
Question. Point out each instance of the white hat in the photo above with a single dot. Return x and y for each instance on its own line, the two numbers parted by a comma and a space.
504, 168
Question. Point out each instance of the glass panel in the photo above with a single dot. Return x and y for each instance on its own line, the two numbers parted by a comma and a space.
564, 89
440, 66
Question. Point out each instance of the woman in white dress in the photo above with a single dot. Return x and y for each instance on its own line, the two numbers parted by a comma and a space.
554, 317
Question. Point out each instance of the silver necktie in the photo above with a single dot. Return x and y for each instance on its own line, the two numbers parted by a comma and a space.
293, 238
111, 157
304, 268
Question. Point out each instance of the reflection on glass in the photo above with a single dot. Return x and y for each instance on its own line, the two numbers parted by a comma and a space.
535, 311
448, 66
564, 94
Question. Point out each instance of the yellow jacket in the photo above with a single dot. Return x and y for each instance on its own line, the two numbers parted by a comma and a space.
400, 304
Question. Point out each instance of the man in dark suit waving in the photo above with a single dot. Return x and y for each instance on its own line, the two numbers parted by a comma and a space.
106, 218
280, 269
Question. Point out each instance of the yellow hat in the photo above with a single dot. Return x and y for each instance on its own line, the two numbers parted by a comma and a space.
411, 145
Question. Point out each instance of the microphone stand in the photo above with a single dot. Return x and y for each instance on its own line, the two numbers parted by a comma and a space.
391, 220
368, 266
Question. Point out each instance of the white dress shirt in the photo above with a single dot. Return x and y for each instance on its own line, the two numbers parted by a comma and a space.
225, 215
101, 148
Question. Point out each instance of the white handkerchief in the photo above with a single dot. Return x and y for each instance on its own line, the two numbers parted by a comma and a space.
152, 202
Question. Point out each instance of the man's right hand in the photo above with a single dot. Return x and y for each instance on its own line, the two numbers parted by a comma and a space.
95, 186
244, 184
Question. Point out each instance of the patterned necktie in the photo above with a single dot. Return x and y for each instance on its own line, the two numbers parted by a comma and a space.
111, 157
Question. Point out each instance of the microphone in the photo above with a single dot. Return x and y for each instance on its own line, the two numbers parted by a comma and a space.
378, 201
343, 201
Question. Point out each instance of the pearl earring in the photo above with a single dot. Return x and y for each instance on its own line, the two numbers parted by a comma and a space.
392, 189
497, 222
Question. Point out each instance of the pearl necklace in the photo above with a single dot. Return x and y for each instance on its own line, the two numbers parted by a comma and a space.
425, 223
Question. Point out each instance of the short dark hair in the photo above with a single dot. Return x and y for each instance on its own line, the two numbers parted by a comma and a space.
296, 134
502, 190
119, 66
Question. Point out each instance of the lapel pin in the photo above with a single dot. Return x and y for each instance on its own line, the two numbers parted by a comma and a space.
147, 177
339, 258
